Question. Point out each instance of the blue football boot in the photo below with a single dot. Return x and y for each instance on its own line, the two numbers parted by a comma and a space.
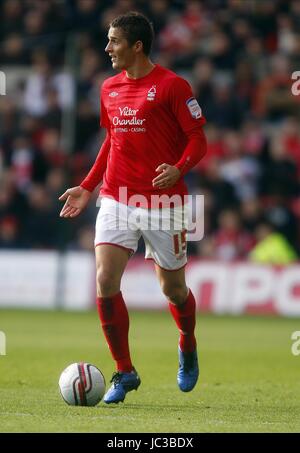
188, 371
121, 384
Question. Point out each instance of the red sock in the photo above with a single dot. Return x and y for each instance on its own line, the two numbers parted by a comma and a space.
114, 319
185, 318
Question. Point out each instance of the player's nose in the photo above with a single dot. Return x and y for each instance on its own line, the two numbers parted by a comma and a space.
107, 48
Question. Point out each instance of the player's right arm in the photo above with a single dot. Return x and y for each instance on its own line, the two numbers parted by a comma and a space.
76, 198
97, 171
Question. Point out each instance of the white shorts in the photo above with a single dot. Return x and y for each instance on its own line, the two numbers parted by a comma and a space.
163, 230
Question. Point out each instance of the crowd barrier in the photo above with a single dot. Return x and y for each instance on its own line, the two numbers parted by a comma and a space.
51, 280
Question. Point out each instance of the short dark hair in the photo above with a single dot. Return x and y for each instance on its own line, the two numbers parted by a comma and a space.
136, 27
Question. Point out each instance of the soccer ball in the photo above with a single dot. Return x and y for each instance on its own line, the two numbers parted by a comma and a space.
82, 384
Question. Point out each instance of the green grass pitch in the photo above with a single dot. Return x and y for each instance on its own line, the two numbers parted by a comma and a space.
249, 379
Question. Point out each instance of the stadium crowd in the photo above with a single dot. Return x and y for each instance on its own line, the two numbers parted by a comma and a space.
238, 55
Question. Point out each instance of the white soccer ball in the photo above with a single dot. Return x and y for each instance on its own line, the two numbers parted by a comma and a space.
82, 384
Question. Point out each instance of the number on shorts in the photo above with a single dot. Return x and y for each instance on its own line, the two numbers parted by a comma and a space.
179, 242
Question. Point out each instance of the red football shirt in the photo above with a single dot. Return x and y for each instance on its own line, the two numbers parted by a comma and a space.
150, 121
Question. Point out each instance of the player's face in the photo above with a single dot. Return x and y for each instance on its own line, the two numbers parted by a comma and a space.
122, 56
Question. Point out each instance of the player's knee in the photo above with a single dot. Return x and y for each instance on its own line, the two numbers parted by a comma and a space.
175, 294
107, 284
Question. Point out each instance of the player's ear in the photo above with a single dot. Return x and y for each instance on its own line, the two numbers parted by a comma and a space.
138, 46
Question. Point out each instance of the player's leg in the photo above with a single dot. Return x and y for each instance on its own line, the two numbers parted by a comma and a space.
183, 309
113, 248
111, 261
110, 264
167, 246
181, 304
114, 244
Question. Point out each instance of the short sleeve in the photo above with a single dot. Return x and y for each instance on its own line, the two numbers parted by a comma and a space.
185, 106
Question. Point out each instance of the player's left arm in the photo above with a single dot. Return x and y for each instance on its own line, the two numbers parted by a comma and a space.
189, 116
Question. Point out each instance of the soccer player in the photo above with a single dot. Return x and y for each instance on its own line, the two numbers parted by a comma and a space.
154, 137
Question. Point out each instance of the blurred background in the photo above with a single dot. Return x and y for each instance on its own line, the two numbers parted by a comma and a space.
238, 55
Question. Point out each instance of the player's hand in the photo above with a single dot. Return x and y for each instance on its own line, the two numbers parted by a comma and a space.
168, 176
76, 200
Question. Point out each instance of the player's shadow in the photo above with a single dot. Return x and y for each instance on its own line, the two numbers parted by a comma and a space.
144, 406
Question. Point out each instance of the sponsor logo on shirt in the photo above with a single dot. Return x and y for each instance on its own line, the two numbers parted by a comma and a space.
151, 93
127, 111
194, 108
128, 117
113, 94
